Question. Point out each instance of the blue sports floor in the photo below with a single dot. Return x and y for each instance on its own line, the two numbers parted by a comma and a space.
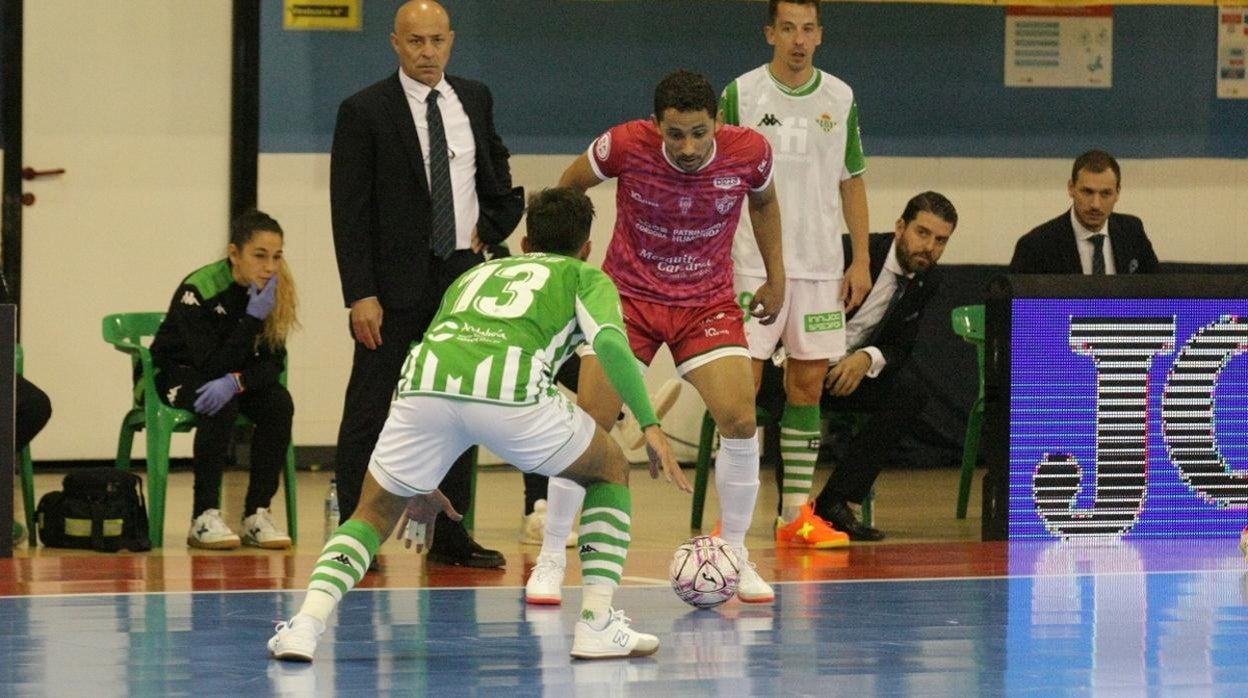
1081, 620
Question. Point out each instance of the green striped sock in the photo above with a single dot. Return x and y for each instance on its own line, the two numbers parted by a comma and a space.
799, 449
341, 566
604, 538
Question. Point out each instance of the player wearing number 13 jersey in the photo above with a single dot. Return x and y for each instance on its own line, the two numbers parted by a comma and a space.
482, 375
683, 182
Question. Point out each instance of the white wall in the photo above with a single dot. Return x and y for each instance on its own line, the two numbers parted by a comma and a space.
132, 99
1190, 207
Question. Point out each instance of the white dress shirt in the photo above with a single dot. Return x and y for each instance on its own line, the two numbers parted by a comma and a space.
862, 325
461, 144
1083, 240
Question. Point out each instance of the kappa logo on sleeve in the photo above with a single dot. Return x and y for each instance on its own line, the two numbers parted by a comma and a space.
188, 298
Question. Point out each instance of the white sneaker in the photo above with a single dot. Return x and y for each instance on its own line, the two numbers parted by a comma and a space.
662, 401
750, 586
614, 639
533, 527
259, 531
209, 531
545, 585
296, 641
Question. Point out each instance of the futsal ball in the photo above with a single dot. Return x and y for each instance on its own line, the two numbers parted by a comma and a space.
705, 571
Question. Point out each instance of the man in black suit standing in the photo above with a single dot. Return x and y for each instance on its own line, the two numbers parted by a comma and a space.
879, 336
419, 185
1089, 238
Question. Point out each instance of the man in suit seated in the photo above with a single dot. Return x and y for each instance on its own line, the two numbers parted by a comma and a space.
1089, 238
879, 336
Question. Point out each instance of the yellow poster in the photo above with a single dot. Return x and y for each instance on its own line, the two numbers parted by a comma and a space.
333, 15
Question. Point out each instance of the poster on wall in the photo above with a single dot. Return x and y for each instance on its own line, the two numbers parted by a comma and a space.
1232, 51
1059, 46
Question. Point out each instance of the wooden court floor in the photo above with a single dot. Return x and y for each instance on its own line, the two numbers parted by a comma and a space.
930, 611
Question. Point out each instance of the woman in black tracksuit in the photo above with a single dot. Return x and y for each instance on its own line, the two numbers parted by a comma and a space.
220, 351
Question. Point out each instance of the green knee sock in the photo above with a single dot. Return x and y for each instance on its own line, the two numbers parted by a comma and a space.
799, 449
341, 566
605, 524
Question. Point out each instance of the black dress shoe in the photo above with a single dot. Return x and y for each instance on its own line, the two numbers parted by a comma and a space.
842, 519
470, 554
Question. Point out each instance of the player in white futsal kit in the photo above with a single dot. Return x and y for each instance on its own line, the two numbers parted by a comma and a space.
484, 374
683, 181
811, 120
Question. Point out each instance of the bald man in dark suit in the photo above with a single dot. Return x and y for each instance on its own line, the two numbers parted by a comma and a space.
408, 219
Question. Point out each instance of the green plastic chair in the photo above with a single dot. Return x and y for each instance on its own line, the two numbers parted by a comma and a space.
706, 445
28, 470
126, 332
968, 323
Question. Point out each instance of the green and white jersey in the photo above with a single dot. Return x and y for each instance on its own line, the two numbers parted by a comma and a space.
813, 131
505, 327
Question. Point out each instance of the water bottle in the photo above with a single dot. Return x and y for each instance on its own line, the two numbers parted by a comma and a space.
331, 509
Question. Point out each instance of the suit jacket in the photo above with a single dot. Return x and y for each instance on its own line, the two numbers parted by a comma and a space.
1051, 248
897, 331
379, 195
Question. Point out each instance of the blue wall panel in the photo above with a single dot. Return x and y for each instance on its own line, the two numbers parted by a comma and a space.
929, 78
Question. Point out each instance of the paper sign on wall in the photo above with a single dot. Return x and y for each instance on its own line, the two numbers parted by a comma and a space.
341, 15
1059, 46
1232, 52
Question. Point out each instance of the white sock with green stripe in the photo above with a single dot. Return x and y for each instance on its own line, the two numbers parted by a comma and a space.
605, 523
799, 449
341, 566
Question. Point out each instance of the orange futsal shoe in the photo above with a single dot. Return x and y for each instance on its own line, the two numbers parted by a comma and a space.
809, 531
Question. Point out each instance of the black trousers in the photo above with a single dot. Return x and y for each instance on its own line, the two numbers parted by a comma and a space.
370, 390
892, 401
32, 410
270, 408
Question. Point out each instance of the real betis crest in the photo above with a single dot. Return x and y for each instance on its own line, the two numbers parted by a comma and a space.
826, 122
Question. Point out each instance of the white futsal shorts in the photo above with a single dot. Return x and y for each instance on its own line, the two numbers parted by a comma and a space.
425, 434
811, 324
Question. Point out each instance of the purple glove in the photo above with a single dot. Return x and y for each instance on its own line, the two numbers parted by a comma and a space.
215, 393
260, 302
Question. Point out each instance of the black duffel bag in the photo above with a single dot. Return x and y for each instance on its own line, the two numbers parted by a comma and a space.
99, 509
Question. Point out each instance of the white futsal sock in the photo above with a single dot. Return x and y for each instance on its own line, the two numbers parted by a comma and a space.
736, 479
563, 498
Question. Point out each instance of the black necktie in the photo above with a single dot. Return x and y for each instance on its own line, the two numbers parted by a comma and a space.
900, 290
441, 197
1098, 254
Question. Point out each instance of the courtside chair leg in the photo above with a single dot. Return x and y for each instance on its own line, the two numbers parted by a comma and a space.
968, 323
470, 516
125, 440
706, 444
292, 496
970, 455
28, 496
28, 470
157, 479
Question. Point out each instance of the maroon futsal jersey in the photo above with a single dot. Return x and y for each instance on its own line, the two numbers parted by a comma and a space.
673, 229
